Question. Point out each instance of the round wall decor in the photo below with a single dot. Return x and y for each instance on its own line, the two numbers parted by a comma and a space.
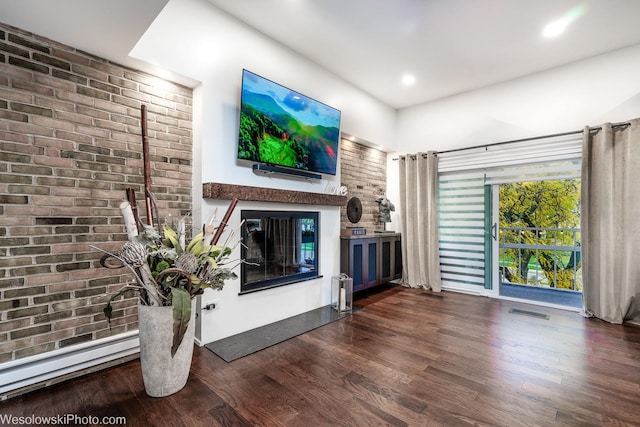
354, 210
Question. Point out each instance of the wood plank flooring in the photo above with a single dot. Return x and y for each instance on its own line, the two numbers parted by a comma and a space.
409, 358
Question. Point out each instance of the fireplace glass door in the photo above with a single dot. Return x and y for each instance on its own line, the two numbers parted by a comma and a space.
280, 247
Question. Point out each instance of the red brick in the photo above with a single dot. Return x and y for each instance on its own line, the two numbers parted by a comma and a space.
70, 56
90, 72
74, 136
33, 230
14, 137
8, 262
20, 148
126, 137
145, 98
71, 323
87, 130
54, 104
75, 118
15, 95
52, 337
28, 128
66, 286
107, 124
55, 83
46, 279
54, 162
111, 144
108, 68
71, 192
14, 324
70, 211
93, 112
123, 83
15, 73
7, 221
59, 123
71, 248
76, 98
110, 107
27, 210
32, 87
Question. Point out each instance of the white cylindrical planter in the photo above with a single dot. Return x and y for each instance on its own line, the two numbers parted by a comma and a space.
162, 374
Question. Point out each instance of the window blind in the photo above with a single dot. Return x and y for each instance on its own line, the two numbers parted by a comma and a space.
461, 227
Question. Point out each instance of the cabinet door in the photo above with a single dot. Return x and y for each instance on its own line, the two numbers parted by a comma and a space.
358, 264
371, 262
353, 261
390, 259
359, 259
397, 270
387, 258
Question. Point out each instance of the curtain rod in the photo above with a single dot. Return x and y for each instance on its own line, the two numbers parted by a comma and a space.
593, 129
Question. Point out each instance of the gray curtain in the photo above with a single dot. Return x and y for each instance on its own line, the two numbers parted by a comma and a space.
286, 235
419, 220
610, 222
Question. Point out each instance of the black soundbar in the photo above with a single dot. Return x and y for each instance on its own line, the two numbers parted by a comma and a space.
264, 169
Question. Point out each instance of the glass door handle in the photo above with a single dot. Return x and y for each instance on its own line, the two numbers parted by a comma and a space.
494, 231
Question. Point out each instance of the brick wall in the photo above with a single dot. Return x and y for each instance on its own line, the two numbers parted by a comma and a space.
363, 171
69, 146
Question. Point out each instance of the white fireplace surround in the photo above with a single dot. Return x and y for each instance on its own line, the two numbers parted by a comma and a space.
234, 312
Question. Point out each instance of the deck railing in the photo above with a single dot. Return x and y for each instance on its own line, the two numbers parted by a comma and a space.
547, 257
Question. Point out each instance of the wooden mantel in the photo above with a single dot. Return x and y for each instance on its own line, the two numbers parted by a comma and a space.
214, 190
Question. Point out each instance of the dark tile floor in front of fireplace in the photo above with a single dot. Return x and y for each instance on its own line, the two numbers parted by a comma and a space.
245, 343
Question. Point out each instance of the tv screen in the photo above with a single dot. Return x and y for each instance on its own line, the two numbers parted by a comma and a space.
281, 127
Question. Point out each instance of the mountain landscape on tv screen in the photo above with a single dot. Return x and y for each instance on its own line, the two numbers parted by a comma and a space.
269, 134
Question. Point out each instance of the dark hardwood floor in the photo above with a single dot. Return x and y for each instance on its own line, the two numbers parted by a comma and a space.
409, 358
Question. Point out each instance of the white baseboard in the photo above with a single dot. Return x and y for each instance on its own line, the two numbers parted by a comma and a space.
46, 367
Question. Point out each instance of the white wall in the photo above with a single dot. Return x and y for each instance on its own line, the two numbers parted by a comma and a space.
601, 89
588, 92
193, 38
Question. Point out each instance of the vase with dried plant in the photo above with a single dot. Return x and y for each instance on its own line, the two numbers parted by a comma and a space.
168, 272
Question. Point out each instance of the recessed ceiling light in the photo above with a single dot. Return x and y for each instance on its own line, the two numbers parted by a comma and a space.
408, 79
557, 27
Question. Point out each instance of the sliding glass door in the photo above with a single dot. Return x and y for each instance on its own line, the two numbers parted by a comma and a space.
509, 217
537, 242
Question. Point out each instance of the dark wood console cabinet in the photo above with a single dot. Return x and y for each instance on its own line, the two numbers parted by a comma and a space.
371, 260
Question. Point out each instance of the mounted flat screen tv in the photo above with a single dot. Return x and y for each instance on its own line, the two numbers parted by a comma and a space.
281, 127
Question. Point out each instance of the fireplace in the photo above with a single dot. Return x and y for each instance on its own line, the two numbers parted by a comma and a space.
280, 248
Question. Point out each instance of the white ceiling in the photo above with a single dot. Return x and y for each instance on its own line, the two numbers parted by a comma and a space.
451, 46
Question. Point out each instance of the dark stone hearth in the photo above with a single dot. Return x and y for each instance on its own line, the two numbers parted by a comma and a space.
214, 190
245, 343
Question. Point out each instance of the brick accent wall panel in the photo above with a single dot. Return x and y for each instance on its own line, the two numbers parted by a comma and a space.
363, 171
70, 144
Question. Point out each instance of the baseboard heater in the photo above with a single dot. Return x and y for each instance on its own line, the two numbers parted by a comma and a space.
42, 370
